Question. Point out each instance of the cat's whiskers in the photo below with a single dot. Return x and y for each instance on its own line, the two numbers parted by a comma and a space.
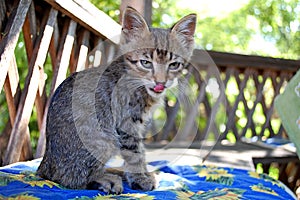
181, 91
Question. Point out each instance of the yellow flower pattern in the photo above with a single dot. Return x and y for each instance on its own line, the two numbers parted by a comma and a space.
23, 197
263, 189
28, 178
223, 194
214, 174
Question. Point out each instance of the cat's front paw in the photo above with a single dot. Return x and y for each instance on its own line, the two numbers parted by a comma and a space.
109, 183
141, 181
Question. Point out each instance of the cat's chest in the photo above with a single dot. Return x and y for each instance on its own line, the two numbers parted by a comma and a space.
136, 106
140, 106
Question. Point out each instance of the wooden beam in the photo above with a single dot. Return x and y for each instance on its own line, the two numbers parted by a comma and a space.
30, 31
83, 52
65, 57
148, 11
2, 15
206, 58
11, 36
90, 17
29, 92
98, 53
142, 6
12, 93
62, 64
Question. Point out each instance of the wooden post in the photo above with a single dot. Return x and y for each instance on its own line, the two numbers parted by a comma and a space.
86, 13
9, 41
62, 64
142, 6
148, 11
2, 15
12, 93
29, 93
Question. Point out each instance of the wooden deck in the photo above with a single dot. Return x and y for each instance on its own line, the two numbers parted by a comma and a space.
64, 35
225, 154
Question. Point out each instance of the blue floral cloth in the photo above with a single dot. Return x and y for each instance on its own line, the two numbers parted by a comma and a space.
174, 182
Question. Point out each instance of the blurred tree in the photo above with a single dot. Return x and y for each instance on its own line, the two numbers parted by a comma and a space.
279, 23
227, 34
275, 22
110, 7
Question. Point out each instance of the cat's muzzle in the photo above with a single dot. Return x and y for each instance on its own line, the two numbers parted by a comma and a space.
159, 88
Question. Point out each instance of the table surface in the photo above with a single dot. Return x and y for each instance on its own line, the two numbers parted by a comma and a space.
239, 155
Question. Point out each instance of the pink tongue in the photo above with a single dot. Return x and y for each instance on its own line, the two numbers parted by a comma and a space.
159, 88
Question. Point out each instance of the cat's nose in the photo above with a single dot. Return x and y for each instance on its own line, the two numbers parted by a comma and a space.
159, 87
160, 83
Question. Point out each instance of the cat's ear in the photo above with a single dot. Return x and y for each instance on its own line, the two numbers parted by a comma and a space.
133, 24
185, 27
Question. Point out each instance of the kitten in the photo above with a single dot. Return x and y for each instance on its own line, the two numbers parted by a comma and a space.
100, 112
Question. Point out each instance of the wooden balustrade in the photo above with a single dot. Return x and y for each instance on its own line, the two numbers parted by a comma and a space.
64, 32
232, 95
247, 87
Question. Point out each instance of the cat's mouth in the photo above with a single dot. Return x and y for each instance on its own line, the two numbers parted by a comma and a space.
157, 90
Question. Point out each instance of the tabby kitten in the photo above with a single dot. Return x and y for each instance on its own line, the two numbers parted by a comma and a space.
101, 112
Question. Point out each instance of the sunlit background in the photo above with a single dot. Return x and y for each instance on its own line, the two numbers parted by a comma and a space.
224, 9
266, 28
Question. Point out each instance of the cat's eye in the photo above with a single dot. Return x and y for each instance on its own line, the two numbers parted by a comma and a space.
175, 66
146, 64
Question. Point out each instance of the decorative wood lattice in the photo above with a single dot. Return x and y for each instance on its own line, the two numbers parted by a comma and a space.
247, 87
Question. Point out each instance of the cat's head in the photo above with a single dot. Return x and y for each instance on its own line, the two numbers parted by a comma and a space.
156, 55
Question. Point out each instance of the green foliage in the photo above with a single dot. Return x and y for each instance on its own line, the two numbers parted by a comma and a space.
21, 59
273, 171
276, 21
227, 34
3, 112
165, 13
110, 7
279, 22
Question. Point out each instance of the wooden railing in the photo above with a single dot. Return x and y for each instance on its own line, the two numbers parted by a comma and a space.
246, 87
62, 33
231, 95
